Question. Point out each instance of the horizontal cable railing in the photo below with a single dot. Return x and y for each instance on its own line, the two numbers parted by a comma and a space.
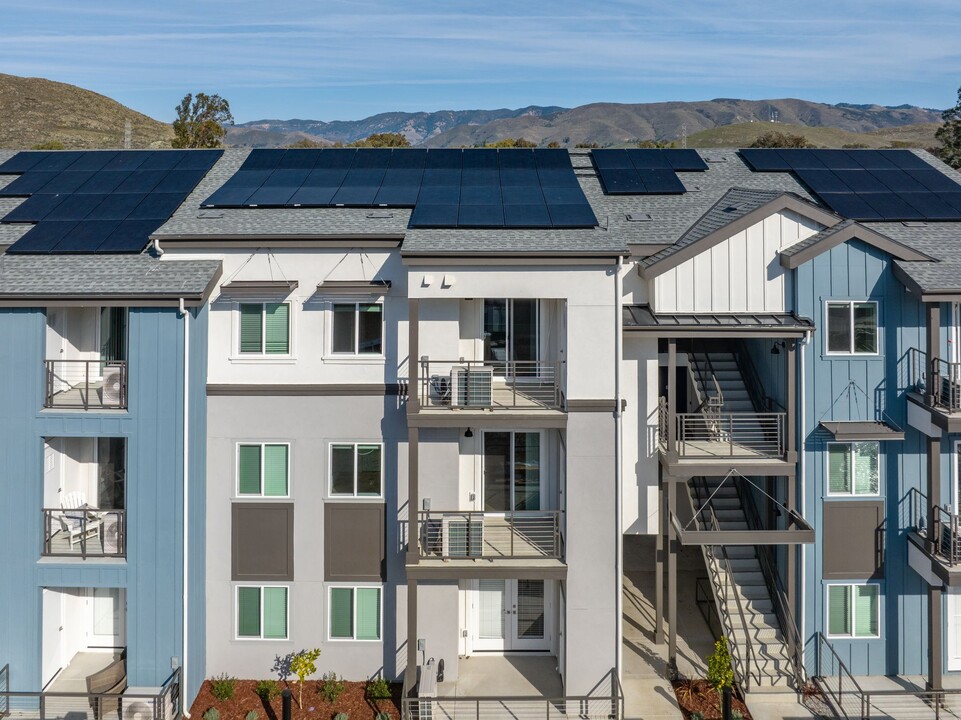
946, 535
86, 384
490, 384
744, 435
84, 532
945, 376
167, 705
513, 535
606, 704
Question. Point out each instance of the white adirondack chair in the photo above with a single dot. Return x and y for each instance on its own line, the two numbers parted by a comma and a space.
76, 519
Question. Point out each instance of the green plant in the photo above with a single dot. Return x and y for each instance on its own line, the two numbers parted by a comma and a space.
252, 715
382, 716
696, 716
212, 714
686, 689
737, 715
222, 686
303, 665
48, 145
267, 690
332, 687
720, 673
378, 689
341, 716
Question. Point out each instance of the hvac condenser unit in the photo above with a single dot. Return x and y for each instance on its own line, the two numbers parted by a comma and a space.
471, 386
950, 392
463, 538
112, 384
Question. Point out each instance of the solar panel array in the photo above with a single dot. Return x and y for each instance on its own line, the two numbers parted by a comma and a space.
868, 185
474, 188
645, 171
99, 201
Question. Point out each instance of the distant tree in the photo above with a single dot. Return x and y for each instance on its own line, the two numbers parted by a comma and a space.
48, 145
587, 145
383, 140
201, 121
553, 144
949, 135
855, 146
511, 143
654, 144
306, 144
777, 139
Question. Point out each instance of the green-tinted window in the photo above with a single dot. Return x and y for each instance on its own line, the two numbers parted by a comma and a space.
275, 613
275, 470
839, 610
277, 328
853, 468
368, 470
341, 469
251, 328
866, 468
865, 610
368, 613
342, 613
355, 470
248, 612
865, 327
248, 470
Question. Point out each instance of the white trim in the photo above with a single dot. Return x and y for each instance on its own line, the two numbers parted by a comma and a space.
511, 644
262, 444
353, 608
330, 470
261, 588
853, 618
262, 357
827, 470
827, 330
356, 355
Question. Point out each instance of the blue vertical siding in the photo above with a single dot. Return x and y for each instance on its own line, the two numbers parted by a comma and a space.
849, 272
153, 427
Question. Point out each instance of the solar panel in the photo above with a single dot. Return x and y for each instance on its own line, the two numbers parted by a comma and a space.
481, 216
524, 195
57, 161
572, 216
67, 182
439, 195
611, 160
34, 209
401, 195
515, 176
42, 237
685, 160
764, 160
130, 236
75, 207
563, 195
822, 181
645, 171
155, 206
551, 159
116, 206
622, 181
933, 180
313, 196
92, 161
104, 182
890, 207
140, 181
426, 215
27, 184
661, 182
297, 160
444, 159
650, 159
527, 216
128, 160
480, 160
408, 158
897, 180
850, 206
86, 236
930, 206
21, 162
263, 159
168, 159
480, 195
356, 195
859, 181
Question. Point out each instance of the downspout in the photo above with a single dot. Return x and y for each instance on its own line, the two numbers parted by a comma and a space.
182, 311
618, 470
802, 486
159, 251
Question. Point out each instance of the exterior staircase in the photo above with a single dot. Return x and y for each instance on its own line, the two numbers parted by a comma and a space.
722, 367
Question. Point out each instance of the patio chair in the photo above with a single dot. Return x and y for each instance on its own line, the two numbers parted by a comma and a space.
76, 520
105, 688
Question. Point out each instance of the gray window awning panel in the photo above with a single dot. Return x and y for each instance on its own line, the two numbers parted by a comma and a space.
860, 431
353, 287
258, 288
640, 318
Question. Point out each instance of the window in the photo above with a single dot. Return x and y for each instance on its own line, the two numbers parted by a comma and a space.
263, 469
264, 329
356, 470
853, 468
354, 613
852, 328
853, 611
358, 329
262, 613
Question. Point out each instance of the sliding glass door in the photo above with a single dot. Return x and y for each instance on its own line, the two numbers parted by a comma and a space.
512, 471
511, 331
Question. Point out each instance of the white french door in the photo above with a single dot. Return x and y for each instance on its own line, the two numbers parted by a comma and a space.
52, 661
106, 618
510, 615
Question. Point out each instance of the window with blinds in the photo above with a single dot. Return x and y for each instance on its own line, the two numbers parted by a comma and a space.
358, 329
262, 613
355, 613
854, 468
263, 470
264, 329
356, 470
853, 611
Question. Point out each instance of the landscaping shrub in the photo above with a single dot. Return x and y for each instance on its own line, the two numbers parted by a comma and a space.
222, 687
267, 690
212, 714
378, 689
252, 715
332, 687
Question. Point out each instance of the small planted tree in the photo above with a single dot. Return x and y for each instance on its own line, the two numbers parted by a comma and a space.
303, 665
720, 672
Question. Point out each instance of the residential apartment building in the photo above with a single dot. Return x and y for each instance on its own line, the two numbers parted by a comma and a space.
413, 403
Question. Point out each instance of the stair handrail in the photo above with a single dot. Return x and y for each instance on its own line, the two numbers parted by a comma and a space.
706, 401
742, 668
775, 588
761, 401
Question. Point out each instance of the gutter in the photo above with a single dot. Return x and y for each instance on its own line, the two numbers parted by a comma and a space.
618, 470
182, 311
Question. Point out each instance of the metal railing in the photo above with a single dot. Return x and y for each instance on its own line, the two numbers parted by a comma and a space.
86, 384
87, 532
945, 376
945, 538
490, 384
740, 435
722, 581
512, 535
44, 705
605, 704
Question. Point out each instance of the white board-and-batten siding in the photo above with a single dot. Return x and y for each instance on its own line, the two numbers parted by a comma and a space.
740, 274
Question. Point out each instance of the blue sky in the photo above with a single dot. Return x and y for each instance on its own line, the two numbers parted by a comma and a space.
346, 59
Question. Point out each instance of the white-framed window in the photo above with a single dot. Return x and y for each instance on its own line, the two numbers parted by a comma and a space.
357, 329
854, 610
263, 469
854, 468
264, 329
261, 612
852, 327
356, 470
354, 612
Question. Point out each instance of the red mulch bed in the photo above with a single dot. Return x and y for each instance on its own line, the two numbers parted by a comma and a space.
704, 699
353, 702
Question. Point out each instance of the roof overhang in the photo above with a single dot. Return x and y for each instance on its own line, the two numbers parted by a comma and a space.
258, 288
851, 231
860, 431
353, 287
509, 259
285, 240
640, 319
942, 294
786, 201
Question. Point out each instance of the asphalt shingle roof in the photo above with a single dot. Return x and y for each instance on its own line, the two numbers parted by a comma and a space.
817, 237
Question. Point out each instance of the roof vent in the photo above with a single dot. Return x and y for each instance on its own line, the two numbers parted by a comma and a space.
715, 158
731, 208
693, 188
209, 214
914, 223
639, 217
379, 215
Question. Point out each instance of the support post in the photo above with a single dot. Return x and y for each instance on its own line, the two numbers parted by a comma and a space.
671, 575
934, 501
410, 673
791, 446
672, 396
659, 562
413, 495
413, 355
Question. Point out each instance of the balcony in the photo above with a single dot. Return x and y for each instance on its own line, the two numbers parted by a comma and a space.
941, 545
472, 544
84, 532
86, 384
942, 395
